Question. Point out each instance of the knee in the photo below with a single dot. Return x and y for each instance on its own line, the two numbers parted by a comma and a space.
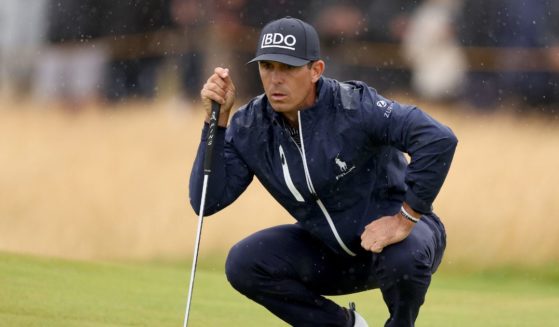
404, 266
239, 268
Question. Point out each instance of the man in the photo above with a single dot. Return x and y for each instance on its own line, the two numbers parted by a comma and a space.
331, 154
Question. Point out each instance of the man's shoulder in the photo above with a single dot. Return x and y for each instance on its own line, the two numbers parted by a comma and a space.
352, 94
250, 108
253, 112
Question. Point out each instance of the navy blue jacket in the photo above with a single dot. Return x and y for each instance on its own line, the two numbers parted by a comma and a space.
349, 169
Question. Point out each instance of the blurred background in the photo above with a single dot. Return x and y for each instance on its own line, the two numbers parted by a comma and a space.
99, 117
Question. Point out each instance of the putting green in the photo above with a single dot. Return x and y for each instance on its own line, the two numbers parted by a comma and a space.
52, 292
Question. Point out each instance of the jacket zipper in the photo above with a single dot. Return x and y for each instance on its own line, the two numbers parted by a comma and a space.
287, 177
313, 192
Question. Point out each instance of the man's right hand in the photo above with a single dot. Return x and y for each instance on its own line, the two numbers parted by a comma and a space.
220, 88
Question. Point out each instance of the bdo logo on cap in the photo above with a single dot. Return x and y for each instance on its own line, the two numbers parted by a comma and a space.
278, 40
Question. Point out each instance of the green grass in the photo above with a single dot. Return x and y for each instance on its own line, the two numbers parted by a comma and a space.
51, 292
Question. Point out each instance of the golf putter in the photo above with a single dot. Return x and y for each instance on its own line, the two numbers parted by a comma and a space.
208, 158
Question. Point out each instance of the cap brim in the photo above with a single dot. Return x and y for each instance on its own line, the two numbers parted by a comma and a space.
288, 60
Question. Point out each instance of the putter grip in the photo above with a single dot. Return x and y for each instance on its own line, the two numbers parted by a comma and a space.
214, 117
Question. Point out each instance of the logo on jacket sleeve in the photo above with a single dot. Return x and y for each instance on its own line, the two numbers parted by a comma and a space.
343, 167
386, 107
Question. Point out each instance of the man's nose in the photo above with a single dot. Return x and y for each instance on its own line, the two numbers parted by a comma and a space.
277, 76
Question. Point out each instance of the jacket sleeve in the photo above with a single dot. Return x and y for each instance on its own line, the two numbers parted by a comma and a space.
229, 175
430, 145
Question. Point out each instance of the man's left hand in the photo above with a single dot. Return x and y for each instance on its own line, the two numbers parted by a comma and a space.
385, 231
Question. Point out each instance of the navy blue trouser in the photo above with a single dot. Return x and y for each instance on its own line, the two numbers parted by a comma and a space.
287, 270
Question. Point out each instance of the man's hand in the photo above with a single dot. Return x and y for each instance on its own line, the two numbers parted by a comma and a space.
385, 231
220, 88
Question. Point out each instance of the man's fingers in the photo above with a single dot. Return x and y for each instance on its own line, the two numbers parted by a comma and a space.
375, 247
216, 79
215, 85
371, 240
212, 92
218, 86
223, 73
222, 78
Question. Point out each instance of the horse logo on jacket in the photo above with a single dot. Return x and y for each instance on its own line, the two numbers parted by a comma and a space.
341, 163
344, 168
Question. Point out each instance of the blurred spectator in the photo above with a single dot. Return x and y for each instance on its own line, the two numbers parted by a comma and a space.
552, 37
70, 65
387, 23
382, 22
524, 27
224, 36
22, 25
256, 13
388, 19
437, 62
80, 33
552, 47
191, 17
518, 26
339, 23
132, 71
479, 27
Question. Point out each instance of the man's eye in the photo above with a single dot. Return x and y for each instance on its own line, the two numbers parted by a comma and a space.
288, 67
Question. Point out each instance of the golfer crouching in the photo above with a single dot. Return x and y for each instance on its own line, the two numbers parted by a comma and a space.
331, 153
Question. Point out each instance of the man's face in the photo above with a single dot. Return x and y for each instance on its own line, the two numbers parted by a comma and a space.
289, 88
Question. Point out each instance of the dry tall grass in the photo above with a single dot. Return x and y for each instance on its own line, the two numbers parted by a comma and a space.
112, 184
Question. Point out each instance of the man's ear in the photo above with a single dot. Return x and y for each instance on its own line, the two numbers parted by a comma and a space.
317, 69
